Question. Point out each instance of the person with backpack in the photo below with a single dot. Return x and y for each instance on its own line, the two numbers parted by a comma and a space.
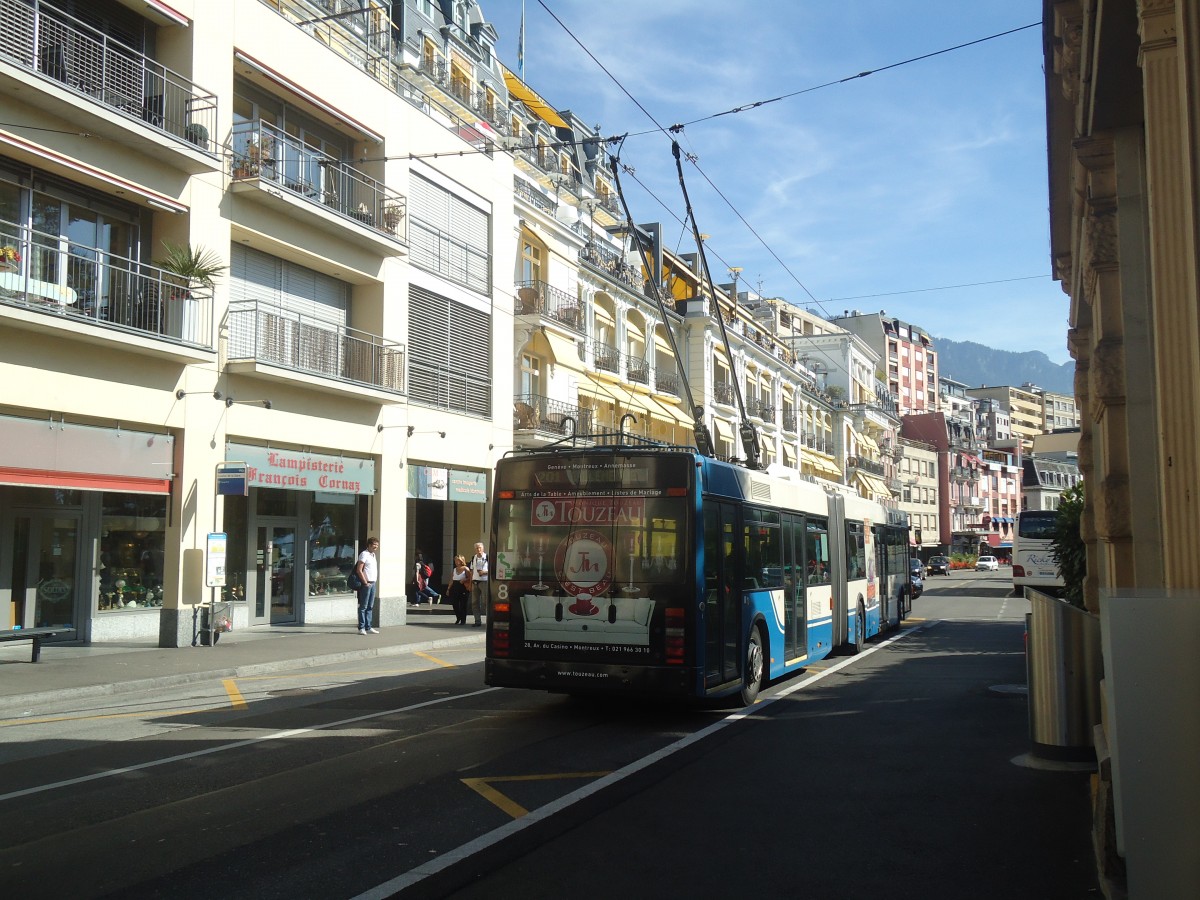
422, 574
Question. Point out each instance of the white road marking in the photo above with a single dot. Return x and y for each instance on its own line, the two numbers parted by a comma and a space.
459, 854
278, 735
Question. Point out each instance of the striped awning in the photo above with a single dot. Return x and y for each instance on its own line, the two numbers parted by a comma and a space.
533, 102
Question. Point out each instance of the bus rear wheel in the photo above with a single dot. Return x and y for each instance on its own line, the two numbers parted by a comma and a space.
860, 631
754, 670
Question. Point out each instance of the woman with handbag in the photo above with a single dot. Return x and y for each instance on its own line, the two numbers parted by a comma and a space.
458, 591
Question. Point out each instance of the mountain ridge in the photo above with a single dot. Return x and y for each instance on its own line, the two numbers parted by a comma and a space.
977, 365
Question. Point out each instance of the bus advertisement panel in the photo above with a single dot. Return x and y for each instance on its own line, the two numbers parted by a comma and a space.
589, 552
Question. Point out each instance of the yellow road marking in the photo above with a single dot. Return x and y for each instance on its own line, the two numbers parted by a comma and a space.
236, 700
434, 659
483, 787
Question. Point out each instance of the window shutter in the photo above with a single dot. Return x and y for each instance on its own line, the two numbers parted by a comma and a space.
449, 354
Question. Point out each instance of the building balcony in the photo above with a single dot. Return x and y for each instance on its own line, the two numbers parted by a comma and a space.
606, 358
263, 153
264, 339
790, 422
90, 69
64, 283
865, 464
668, 383
541, 298
723, 393
535, 415
638, 372
761, 410
609, 264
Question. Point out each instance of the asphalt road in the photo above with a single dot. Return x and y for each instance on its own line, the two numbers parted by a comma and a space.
889, 774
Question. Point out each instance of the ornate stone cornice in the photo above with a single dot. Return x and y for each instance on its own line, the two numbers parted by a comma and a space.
1107, 372
1068, 31
1101, 225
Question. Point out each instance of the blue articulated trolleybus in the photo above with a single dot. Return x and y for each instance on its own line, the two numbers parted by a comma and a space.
648, 569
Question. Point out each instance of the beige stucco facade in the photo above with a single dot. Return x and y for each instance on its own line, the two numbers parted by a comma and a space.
1123, 96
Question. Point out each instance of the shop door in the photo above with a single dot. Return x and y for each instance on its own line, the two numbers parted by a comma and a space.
46, 586
278, 575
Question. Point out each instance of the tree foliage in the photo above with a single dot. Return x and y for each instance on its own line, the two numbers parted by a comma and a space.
1067, 546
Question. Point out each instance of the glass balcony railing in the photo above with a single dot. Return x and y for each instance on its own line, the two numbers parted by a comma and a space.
46, 40
261, 151
50, 274
269, 334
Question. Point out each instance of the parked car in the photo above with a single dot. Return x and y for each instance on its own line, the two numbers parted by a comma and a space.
987, 564
918, 585
916, 567
938, 565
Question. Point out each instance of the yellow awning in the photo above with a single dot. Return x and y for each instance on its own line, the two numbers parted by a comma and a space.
867, 441
874, 486
564, 350
822, 465
723, 430
535, 104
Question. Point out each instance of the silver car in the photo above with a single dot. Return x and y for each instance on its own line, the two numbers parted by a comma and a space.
987, 564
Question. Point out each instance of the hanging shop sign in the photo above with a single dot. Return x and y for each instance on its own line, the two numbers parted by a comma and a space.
439, 483
294, 470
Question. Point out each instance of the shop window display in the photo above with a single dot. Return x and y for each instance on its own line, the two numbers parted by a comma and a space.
132, 544
331, 539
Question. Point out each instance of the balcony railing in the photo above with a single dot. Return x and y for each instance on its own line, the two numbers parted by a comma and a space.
638, 371
865, 464
51, 274
90, 63
524, 191
667, 383
265, 333
608, 262
263, 151
542, 297
761, 410
723, 393
607, 358
789, 422
533, 412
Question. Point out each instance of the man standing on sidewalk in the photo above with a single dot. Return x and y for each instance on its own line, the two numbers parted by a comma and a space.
367, 570
479, 578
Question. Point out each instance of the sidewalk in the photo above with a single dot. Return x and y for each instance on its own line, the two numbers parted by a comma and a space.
68, 670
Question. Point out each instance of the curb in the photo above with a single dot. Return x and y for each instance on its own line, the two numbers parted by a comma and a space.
241, 671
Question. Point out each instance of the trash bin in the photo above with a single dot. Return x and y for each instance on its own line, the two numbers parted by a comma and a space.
1064, 665
215, 620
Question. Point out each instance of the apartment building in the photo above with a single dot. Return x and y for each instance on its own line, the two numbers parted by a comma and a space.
248, 302
906, 349
917, 469
1023, 405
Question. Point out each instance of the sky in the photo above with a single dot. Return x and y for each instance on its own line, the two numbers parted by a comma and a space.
919, 189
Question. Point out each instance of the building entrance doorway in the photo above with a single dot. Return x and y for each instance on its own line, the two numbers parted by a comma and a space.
278, 574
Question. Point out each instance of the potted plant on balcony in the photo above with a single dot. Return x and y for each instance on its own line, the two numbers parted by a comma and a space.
198, 268
9, 257
258, 153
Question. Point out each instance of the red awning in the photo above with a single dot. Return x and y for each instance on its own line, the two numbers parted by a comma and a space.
85, 481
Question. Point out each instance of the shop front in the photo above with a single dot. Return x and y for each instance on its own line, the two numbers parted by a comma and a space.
83, 523
294, 535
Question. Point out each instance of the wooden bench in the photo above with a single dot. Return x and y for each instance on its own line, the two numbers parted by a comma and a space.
35, 635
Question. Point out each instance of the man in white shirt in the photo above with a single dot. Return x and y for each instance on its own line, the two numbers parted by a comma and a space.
367, 570
479, 578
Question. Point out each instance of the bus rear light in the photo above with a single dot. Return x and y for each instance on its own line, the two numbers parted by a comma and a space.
500, 609
1018, 571
500, 644
674, 644
506, 495
676, 492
